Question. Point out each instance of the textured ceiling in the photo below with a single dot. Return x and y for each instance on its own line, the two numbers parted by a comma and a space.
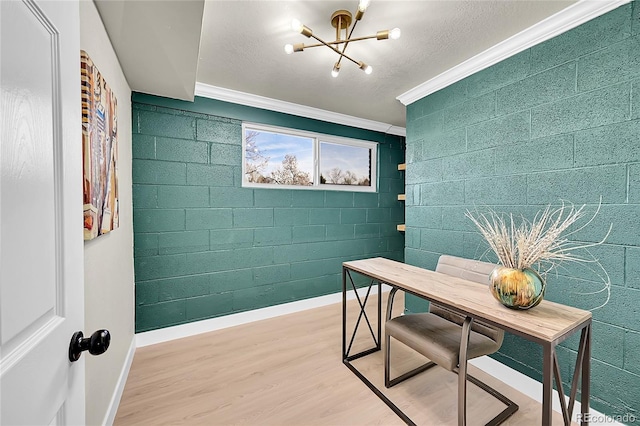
241, 47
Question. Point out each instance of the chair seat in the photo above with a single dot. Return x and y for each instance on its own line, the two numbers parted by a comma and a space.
437, 338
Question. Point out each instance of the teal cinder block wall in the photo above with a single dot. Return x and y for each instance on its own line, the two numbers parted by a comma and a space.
205, 247
560, 120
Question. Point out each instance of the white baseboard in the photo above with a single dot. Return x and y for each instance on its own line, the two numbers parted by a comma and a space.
533, 389
122, 381
185, 330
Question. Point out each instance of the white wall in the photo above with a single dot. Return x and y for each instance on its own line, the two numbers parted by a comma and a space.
108, 259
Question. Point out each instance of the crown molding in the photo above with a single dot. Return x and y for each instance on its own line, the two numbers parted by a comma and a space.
574, 15
396, 130
242, 98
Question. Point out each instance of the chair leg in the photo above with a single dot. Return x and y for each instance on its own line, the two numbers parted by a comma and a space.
462, 372
387, 340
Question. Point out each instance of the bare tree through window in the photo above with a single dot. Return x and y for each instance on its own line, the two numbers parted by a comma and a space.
255, 160
290, 174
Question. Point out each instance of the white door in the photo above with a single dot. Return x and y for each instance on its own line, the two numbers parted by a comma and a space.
41, 243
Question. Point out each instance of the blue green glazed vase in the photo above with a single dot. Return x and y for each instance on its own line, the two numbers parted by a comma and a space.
517, 288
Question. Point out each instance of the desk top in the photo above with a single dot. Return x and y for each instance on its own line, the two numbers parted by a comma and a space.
548, 321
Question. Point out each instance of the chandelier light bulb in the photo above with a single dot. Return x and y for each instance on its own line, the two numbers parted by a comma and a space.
395, 33
366, 68
335, 71
363, 5
288, 48
296, 25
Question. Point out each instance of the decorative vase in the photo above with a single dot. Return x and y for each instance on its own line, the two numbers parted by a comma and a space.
517, 288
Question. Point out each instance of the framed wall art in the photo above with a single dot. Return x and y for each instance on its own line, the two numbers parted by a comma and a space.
99, 151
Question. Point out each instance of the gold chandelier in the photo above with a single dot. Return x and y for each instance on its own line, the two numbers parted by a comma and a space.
341, 20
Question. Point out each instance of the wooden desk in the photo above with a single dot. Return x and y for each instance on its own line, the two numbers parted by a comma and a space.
547, 324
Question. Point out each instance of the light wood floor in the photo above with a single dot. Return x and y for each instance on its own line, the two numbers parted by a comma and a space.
288, 371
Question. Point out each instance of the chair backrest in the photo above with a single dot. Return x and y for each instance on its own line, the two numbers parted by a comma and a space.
472, 270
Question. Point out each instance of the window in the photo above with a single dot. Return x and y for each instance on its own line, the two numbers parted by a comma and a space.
276, 157
344, 164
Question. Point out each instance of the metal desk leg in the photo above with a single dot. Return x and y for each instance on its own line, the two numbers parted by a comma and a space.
347, 358
379, 315
547, 382
344, 313
586, 376
362, 303
581, 371
462, 372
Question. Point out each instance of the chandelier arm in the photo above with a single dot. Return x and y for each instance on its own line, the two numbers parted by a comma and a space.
306, 46
349, 40
334, 49
346, 43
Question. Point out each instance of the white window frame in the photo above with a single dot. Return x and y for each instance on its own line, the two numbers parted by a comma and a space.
317, 139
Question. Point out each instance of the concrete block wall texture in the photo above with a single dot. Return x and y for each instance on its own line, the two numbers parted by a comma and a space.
206, 247
559, 121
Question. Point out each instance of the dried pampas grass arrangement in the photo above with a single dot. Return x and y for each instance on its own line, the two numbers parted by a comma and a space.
542, 244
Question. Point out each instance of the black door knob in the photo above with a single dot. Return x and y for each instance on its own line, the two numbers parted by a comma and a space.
97, 344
